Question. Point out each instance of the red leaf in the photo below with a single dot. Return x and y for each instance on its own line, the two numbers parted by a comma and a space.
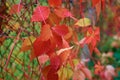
61, 30
43, 58
91, 38
64, 55
57, 38
52, 74
87, 73
80, 1
55, 3
69, 35
94, 2
45, 33
62, 12
103, 4
16, 8
45, 71
40, 13
98, 9
53, 19
55, 62
41, 47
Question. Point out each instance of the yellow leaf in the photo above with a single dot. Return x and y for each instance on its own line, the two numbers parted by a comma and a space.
65, 73
84, 22
16, 25
76, 62
27, 43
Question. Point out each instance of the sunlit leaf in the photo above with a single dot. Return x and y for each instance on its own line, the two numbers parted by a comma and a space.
27, 43
84, 22
65, 73
43, 58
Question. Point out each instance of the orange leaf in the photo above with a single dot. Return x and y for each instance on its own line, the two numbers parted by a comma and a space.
27, 43
94, 2
69, 35
55, 3
62, 12
65, 54
45, 33
53, 19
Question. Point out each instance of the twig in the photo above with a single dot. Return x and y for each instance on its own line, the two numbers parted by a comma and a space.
12, 48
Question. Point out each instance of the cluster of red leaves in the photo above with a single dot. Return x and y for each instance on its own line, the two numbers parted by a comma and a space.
54, 41
105, 72
92, 37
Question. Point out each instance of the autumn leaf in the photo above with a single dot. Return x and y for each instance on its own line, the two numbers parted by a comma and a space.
94, 2
91, 38
16, 26
27, 43
41, 13
62, 50
80, 1
55, 62
55, 3
98, 68
78, 75
15, 9
53, 19
62, 12
84, 22
103, 5
61, 29
82, 72
57, 39
46, 33
65, 73
98, 9
109, 72
69, 35
41, 47
65, 54
45, 71
43, 58
52, 74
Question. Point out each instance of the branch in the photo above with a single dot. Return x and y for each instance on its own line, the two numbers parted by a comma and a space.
12, 48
